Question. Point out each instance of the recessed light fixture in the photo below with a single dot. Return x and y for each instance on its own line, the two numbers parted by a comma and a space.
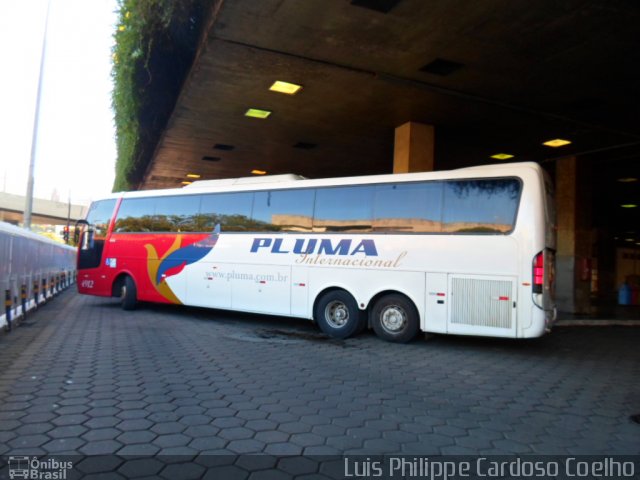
627, 180
223, 146
441, 67
186, 183
258, 172
628, 205
285, 87
382, 6
257, 113
305, 145
210, 159
556, 142
192, 175
502, 156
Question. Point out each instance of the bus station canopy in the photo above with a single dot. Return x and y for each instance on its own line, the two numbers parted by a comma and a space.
492, 77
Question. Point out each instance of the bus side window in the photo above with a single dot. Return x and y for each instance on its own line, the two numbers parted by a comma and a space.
481, 206
343, 209
178, 213
408, 207
136, 215
283, 210
231, 210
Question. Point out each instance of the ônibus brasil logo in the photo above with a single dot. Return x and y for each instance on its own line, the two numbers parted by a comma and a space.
35, 469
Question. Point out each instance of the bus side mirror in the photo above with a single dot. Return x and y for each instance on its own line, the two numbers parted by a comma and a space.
79, 235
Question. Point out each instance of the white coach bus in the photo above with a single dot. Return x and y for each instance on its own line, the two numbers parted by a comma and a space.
468, 251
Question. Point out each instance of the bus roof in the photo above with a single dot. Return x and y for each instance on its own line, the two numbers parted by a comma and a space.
271, 182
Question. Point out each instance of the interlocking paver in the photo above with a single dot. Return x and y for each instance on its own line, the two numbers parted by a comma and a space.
171, 440
67, 431
136, 436
101, 447
28, 441
230, 472
102, 422
135, 424
63, 445
246, 446
182, 471
96, 434
141, 467
102, 380
99, 464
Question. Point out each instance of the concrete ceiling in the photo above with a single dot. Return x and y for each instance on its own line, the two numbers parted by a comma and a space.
522, 73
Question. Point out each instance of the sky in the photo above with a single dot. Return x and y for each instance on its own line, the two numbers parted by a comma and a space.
75, 149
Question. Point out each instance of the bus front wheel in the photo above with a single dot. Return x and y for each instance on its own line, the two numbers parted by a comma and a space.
128, 294
337, 314
394, 318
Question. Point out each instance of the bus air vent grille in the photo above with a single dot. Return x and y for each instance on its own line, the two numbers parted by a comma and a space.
482, 303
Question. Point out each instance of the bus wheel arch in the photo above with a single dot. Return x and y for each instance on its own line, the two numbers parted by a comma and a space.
125, 288
394, 317
337, 313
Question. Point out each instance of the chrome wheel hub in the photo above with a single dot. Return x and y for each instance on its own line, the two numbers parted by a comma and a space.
336, 314
393, 319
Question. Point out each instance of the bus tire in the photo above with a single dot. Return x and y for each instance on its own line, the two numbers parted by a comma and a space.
338, 315
128, 294
394, 318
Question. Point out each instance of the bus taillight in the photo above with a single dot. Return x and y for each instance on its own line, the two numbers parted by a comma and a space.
538, 273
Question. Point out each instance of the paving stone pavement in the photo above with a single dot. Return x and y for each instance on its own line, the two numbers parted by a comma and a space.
82, 377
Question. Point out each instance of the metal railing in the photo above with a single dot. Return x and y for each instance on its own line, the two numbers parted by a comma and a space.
33, 269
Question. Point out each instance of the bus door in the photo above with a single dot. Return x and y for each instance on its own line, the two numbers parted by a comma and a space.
482, 305
91, 236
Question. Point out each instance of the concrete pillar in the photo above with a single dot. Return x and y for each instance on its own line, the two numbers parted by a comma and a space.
413, 148
574, 237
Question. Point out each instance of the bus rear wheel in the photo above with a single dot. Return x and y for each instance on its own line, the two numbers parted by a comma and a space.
394, 318
128, 294
338, 315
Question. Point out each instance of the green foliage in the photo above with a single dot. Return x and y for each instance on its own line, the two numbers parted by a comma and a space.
155, 43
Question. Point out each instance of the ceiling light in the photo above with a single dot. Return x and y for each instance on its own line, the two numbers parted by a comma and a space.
627, 179
502, 156
257, 113
305, 145
285, 87
193, 175
223, 146
628, 205
557, 142
441, 67
186, 183
258, 172
382, 6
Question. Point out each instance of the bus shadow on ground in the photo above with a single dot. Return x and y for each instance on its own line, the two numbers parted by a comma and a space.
255, 327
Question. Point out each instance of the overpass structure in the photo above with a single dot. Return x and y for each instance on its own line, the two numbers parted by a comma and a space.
45, 212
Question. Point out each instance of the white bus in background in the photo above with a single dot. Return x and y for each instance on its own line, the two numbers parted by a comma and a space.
468, 251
